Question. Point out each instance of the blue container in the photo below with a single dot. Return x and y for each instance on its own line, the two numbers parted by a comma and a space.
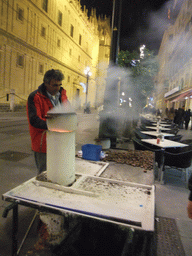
91, 152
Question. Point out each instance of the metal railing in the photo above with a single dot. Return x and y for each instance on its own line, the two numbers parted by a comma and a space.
10, 98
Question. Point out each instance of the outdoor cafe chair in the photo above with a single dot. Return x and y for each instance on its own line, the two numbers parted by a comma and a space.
188, 141
140, 135
139, 145
177, 137
177, 158
144, 128
145, 121
180, 161
172, 130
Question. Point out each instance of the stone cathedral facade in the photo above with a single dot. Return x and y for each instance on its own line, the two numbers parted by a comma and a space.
174, 79
37, 35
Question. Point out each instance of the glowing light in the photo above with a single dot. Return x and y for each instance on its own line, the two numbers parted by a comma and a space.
59, 130
123, 94
169, 14
88, 74
84, 87
87, 71
130, 99
142, 51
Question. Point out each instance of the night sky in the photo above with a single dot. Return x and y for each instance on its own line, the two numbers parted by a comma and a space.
142, 21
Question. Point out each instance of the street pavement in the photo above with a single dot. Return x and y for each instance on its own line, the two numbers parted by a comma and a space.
171, 199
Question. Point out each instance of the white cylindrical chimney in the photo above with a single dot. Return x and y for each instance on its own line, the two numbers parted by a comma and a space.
61, 148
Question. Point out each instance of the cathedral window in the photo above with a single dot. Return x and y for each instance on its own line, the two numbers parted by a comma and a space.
43, 31
80, 39
41, 68
60, 16
72, 30
58, 43
45, 5
20, 13
20, 60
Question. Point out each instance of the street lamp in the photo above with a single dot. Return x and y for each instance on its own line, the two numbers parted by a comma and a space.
88, 74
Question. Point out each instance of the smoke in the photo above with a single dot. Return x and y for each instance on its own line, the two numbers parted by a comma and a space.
117, 82
150, 27
158, 22
159, 26
62, 109
119, 101
176, 43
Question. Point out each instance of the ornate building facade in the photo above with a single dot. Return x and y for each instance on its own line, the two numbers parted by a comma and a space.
174, 80
37, 35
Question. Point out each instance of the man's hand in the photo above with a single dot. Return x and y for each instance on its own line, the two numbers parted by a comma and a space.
189, 209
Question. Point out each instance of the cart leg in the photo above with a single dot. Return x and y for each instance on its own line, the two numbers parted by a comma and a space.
15, 230
14, 207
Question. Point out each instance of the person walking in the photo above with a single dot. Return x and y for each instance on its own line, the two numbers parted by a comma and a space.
48, 95
180, 119
187, 117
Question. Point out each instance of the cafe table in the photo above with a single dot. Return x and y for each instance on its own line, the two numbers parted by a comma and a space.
162, 124
163, 145
155, 128
156, 134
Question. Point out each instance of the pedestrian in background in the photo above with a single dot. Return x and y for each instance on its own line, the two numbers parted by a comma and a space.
179, 118
48, 95
171, 114
187, 117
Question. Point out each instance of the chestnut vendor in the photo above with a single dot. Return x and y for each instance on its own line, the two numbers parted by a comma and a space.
49, 94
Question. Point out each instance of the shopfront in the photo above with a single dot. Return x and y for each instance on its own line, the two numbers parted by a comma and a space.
179, 100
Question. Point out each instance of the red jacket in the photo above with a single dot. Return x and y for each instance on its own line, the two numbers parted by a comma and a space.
37, 106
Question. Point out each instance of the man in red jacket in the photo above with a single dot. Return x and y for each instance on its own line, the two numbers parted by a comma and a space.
48, 95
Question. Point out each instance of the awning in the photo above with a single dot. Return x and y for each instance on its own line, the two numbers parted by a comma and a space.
173, 91
183, 96
189, 95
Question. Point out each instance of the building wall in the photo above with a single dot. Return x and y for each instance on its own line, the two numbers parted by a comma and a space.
175, 58
104, 56
39, 35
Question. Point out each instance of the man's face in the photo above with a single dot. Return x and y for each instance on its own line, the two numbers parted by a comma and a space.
53, 87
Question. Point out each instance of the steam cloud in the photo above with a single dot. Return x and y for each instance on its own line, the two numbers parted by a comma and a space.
62, 109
